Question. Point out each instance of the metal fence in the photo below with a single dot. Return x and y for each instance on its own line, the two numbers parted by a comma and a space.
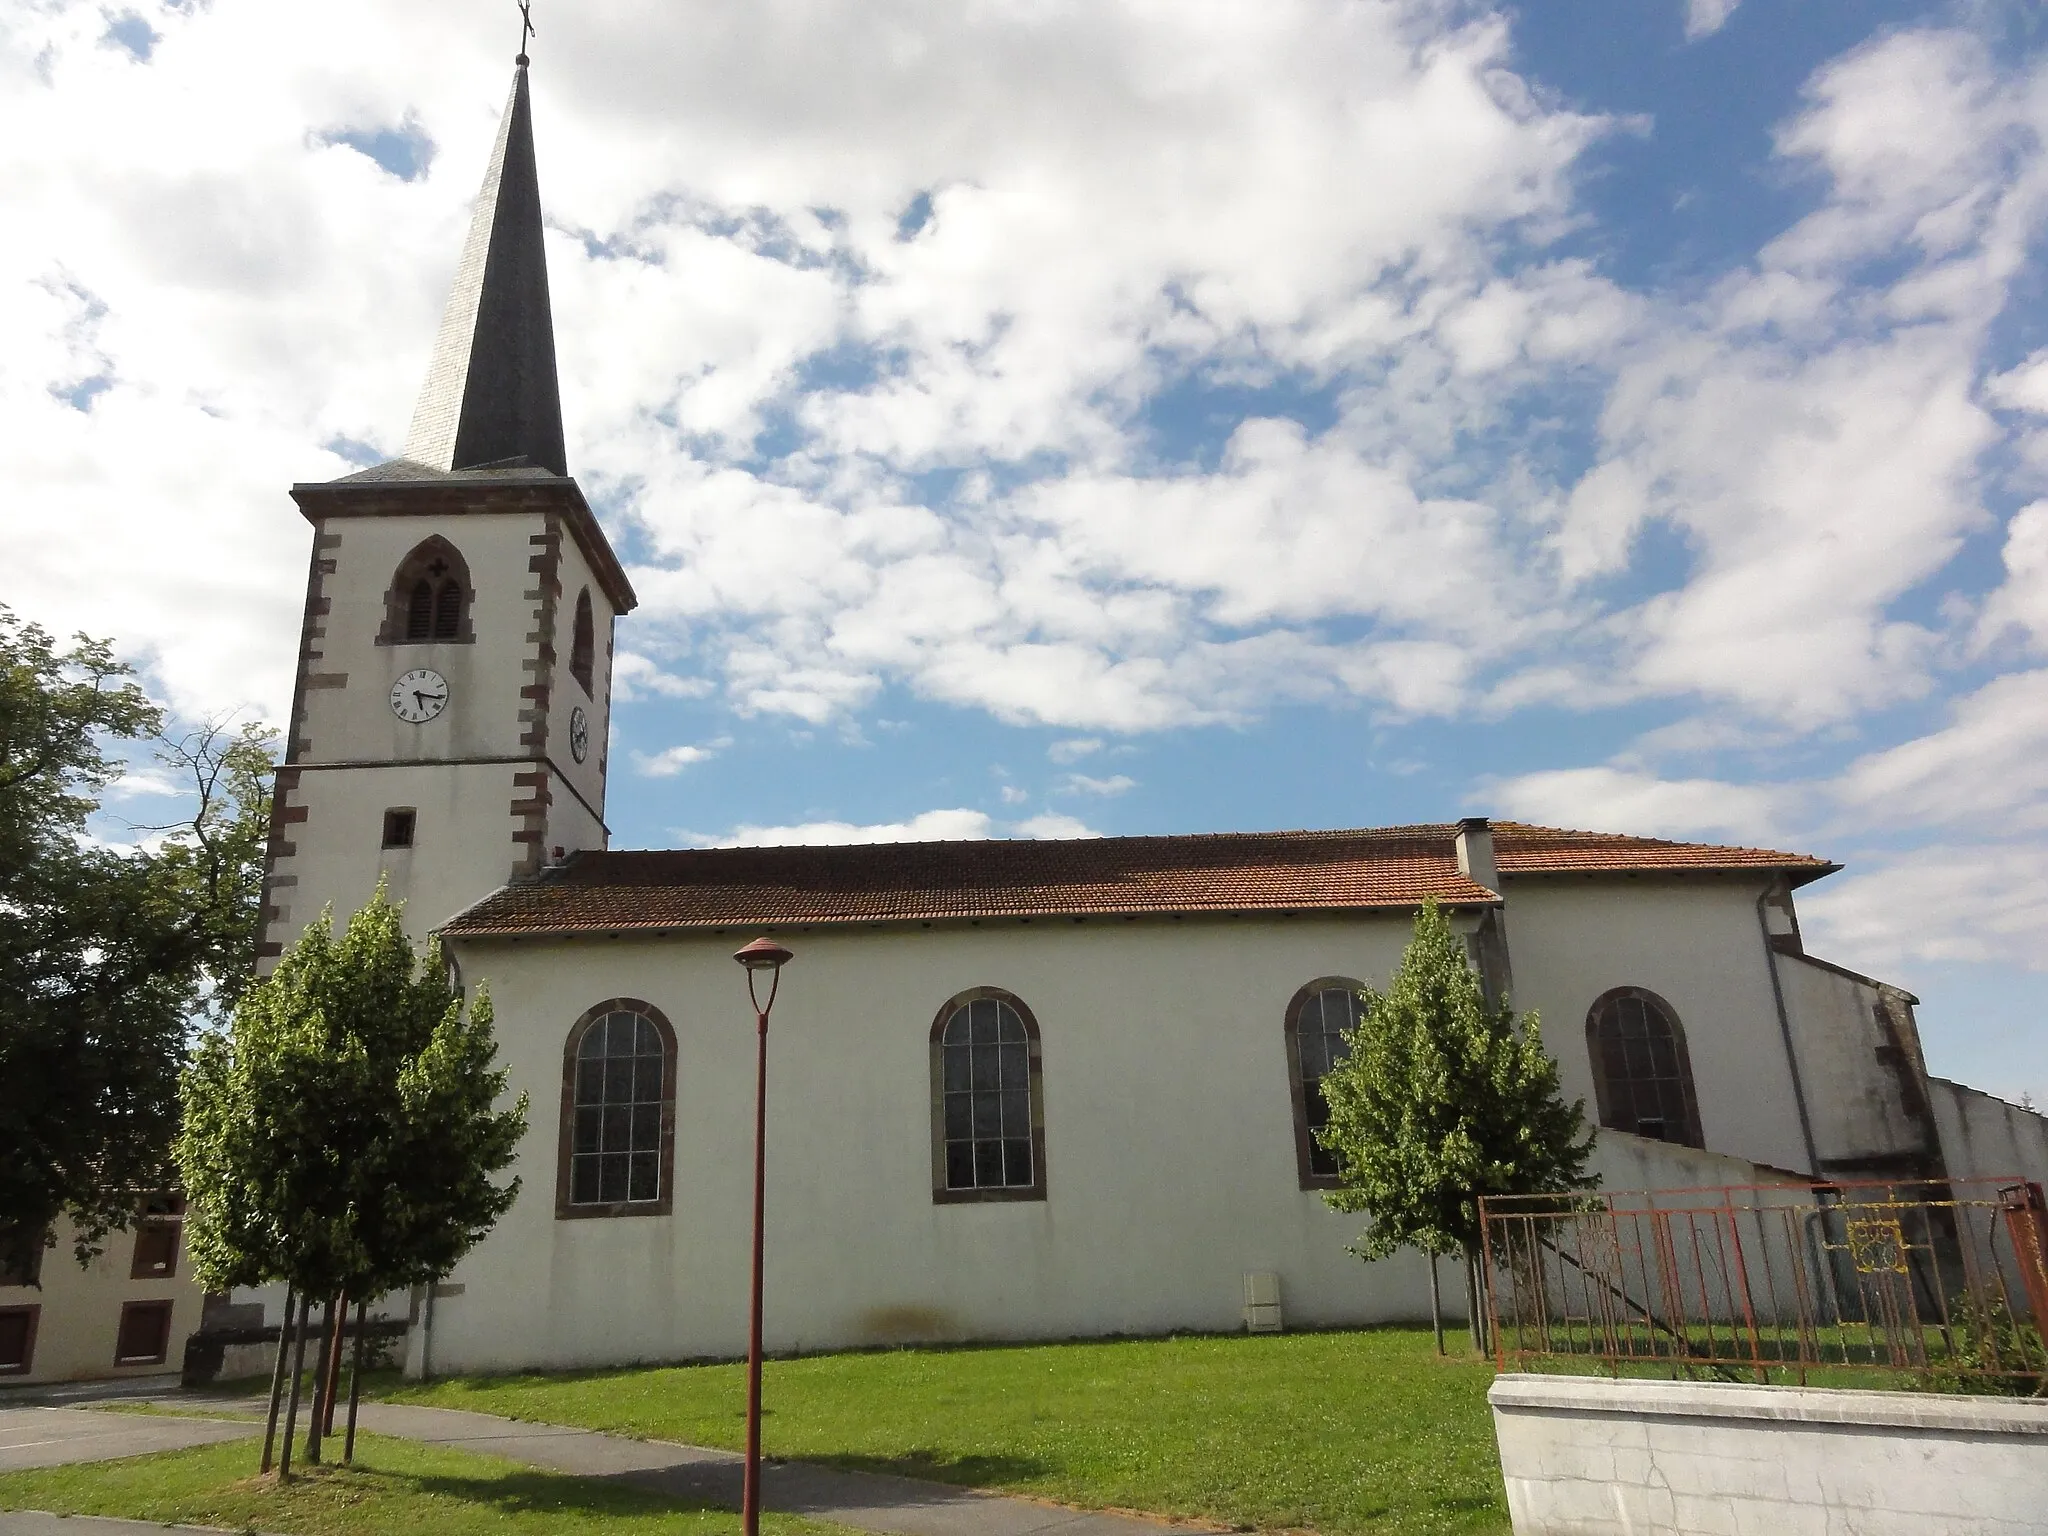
1941, 1284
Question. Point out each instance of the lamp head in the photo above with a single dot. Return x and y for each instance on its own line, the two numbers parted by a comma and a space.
764, 954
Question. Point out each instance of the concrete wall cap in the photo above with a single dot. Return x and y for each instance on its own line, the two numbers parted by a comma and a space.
1927, 1411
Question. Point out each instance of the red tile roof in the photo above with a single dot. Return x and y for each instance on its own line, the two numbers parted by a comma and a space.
1391, 867
1525, 850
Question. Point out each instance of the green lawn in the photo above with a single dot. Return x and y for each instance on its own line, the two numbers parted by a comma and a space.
1340, 1432
394, 1486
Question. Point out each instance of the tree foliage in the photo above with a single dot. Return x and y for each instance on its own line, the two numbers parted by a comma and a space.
106, 952
340, 1133
1443, 1099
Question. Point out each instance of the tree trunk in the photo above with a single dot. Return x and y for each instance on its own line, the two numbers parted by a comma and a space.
319, 1382
291, 1417
327, 1396
355, 1385
1475, 1302
284, 1347
1436, 1304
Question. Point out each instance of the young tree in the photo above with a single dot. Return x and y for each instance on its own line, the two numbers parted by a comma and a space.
1441, 1100
340, 1133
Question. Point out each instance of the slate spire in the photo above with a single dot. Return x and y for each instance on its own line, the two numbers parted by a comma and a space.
491, 393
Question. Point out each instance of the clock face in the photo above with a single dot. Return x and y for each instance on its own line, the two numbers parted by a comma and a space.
579, 734
419, 695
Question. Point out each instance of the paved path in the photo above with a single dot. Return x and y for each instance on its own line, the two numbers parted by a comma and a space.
51, 1437
898, 1506
25, 1524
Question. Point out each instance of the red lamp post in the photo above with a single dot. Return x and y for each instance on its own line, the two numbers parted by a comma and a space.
763, 954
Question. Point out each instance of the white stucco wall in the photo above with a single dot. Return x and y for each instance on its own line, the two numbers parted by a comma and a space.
360, 759
1592, 1457
1983, 1137
1169, 1130
580, 828
1854, 1070
1696, 943
484, 678
1169, 1125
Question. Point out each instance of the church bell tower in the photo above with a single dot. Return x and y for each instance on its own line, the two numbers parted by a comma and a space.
452, 709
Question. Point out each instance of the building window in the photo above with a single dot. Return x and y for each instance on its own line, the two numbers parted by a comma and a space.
1318, 1018
157, 1233
18, 1340
988, 1100
1642, 1076
429, 599
618, 1113
583, 644
145, 1337
399, 824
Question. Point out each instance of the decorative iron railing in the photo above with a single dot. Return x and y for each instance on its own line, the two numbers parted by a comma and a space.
1938, 1284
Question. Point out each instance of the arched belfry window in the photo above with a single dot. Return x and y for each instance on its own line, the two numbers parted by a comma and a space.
988, 1100
1642, 1076
429, 602
617, 1154
583, 644
1320, 1015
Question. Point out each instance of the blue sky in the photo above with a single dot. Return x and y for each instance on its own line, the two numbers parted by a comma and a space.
1129, 417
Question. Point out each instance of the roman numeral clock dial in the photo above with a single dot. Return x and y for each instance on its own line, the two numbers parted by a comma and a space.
419, 695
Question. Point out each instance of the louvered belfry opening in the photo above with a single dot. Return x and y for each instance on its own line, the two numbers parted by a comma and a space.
584, 644
430, 597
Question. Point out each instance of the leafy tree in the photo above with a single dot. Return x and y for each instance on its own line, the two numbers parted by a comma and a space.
105, 952
340, 1133
1442, 1099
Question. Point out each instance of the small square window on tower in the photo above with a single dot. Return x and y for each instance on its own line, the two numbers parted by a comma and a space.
399, 823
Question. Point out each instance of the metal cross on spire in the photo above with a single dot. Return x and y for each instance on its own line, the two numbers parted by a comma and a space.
525, 26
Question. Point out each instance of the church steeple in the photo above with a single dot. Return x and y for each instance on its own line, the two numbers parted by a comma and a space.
491, 393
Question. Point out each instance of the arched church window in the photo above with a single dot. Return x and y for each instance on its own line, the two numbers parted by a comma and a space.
1318, 1018
429, 601
988, 1111
618, 1113
1642, 1076
584, 643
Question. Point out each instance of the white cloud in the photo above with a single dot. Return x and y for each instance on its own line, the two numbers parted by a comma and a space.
671, 761
636, 677
1073, 749
1973, 901
1082, 784
1012, 795
1621, 800
1703, 18
1988, 766
1054, 827
953, 825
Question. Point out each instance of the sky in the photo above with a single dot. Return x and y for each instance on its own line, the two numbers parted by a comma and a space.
1067, 417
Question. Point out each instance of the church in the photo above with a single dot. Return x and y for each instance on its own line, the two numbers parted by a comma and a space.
1016, 1090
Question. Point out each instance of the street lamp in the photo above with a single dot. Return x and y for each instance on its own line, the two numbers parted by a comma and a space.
763, 954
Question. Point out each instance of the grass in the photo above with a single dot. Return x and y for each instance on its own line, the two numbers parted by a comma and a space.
1364, 1432
395, 1485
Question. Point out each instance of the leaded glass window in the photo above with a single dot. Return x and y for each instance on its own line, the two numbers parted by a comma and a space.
985, 1067
1321, 1020
1640, 1066
621, 1076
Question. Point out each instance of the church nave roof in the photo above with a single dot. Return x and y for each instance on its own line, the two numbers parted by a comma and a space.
1360, 870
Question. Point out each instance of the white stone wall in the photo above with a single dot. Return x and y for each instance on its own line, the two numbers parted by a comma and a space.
577, 825
1594, 1457
1169, 1129
1696, 943
1983, 1137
